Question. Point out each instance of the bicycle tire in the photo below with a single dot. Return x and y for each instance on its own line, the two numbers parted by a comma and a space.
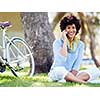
20, 57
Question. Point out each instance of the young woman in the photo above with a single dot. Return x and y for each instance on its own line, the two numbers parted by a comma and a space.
68, 53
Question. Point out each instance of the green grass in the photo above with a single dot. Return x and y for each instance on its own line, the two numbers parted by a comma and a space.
39, 80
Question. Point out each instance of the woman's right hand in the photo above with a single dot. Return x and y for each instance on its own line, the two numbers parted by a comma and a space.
64, 37
63, 50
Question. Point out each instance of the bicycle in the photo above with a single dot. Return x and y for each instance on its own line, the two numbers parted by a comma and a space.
17, 55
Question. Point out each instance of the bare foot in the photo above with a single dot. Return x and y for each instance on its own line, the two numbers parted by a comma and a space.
72, 78
81, 81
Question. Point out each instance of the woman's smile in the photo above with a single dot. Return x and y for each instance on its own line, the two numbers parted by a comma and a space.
71, 30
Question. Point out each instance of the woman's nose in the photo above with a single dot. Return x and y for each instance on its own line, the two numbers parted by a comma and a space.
71, 30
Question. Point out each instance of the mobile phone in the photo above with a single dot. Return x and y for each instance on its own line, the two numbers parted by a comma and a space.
66, 33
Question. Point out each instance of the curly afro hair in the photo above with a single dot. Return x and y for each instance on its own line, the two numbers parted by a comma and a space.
69, 20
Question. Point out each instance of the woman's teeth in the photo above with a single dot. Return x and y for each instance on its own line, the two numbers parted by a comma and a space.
71, 33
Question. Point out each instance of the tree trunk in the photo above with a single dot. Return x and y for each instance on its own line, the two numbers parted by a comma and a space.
86, 27
39, 35
57, 18
92, 48
83, 29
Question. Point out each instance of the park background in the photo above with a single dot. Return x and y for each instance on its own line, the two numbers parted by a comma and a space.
40, 29
53, 93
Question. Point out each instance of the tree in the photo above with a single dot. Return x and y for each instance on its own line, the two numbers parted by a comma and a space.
39, 35
83, 26
88, 27
91, 27
57, 18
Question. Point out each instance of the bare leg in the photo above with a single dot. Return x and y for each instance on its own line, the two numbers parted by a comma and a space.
83, 76
71, 77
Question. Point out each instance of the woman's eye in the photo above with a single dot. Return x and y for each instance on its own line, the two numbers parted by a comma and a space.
73, 27
68, 27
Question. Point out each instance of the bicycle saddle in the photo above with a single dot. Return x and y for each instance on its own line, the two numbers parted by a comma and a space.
5, 24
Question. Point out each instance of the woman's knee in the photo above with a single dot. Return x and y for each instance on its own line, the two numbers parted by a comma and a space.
83, 76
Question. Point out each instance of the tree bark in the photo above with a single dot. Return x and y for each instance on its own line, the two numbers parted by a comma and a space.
39, 35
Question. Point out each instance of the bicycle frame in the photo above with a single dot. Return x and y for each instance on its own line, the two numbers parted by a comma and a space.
5, 41
3, 46
16, 53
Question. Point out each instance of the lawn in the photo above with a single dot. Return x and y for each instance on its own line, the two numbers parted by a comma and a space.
39, 80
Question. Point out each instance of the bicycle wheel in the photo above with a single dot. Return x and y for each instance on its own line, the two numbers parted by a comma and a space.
20, 58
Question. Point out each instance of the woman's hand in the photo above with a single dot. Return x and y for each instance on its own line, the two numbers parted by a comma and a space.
64, 37
63, 50
74, 72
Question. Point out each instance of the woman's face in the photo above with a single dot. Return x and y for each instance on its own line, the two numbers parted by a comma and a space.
71, 31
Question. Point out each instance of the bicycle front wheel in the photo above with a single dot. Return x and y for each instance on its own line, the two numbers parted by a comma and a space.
20, 58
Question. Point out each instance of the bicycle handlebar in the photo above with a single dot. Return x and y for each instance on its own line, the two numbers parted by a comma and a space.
5, 24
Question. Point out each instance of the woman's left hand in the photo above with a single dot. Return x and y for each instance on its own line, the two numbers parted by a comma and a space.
74, 72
